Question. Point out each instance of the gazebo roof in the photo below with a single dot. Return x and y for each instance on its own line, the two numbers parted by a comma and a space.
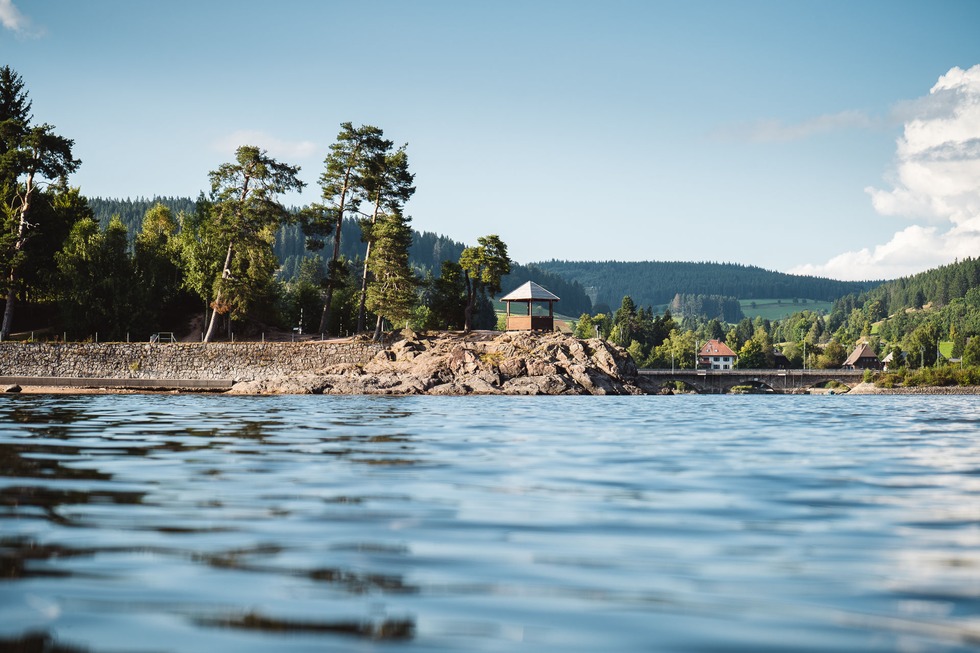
530, 291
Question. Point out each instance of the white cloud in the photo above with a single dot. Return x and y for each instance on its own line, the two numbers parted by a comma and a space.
936, 175
778, 131
278, 148
12, 19
911, 250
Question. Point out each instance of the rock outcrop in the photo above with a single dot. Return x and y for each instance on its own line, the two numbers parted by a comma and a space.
485, 363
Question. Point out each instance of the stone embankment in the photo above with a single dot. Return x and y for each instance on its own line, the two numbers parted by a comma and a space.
485, 363
871, 389
518, 363
230, 362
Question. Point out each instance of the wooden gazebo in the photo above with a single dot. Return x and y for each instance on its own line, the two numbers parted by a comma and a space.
530, 293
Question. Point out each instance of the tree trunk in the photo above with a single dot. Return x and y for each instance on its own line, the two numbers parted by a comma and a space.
325, 316
362, 309
364, 277
8, 311
470, 303
225, 273
377, 329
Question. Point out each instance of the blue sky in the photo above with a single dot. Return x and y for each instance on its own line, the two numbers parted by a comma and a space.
832, 138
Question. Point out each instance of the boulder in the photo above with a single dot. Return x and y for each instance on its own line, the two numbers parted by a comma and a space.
477, 363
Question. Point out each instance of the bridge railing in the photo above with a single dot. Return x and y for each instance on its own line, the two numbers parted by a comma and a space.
751, 372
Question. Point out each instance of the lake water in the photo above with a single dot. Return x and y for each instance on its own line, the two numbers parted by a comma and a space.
690, 523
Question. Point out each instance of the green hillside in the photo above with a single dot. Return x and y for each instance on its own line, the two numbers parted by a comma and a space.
655, 283
777, 309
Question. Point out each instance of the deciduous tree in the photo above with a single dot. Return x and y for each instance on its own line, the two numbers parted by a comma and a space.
156, 259
97, 280
483, 266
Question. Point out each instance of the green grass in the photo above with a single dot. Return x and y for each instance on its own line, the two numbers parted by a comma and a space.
777, 309
946, 348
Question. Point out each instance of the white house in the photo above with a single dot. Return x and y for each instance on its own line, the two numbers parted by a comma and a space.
716, 355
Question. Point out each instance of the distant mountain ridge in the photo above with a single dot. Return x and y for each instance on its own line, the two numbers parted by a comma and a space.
655, 283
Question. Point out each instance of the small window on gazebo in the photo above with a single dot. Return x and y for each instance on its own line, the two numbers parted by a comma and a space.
529, 314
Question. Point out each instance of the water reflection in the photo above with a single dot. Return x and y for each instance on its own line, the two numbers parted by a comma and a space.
42, 463
37, 642
387, 629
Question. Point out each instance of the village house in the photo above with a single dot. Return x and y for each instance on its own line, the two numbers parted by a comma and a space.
862, 358
716, 355
779, 360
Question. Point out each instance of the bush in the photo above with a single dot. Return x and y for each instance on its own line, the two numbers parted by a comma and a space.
968, 376
890, 379
929, 377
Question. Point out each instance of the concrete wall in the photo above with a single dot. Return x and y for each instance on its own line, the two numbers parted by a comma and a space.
231, 361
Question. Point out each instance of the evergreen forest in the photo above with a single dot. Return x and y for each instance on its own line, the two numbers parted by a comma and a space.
655, 283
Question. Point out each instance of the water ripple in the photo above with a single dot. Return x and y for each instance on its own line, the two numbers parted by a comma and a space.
201, 523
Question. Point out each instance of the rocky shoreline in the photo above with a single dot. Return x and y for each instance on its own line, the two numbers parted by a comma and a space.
871, 389
479, 363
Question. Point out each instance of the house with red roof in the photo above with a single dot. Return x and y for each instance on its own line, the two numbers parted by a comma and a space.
716, 355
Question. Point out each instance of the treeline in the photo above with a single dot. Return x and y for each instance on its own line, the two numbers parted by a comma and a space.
426, 254
725, 309
654, 283
130, 211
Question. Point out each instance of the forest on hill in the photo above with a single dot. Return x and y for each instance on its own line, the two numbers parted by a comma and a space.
927, 324
941, 304
655, 283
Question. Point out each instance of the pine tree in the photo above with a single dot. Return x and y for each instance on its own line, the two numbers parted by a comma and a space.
342, 182
392, 293
247, 213
38, 156
388, 185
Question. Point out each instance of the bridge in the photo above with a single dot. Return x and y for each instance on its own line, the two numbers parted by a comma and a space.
775, 381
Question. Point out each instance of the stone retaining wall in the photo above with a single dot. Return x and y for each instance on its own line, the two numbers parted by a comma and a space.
231, 361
